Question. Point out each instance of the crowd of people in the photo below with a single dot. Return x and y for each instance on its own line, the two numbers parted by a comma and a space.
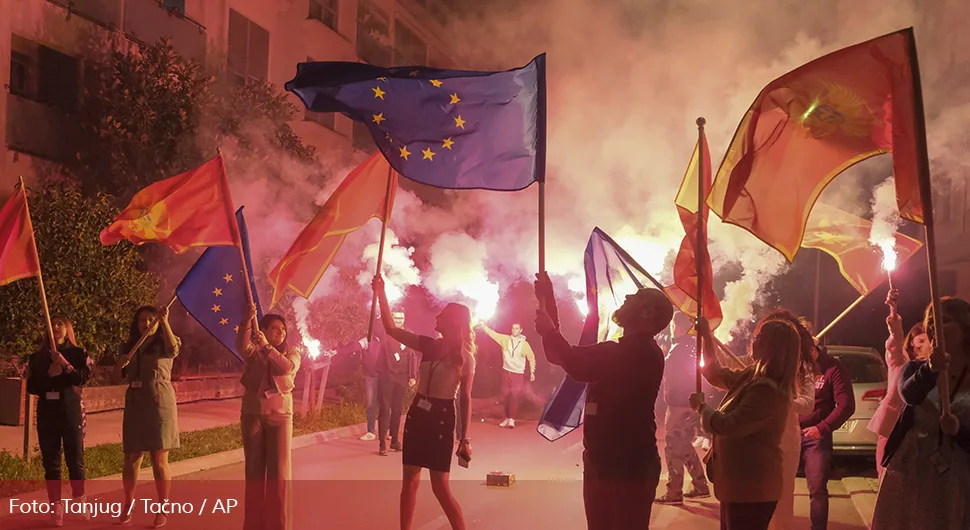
782, 402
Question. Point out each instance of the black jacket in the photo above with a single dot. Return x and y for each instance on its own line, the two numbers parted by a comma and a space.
58, 392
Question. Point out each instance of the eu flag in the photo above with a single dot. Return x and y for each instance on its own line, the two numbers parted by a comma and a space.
452, 129
611, 275
213, 291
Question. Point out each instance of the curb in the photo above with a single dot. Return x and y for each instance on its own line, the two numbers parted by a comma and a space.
863, 492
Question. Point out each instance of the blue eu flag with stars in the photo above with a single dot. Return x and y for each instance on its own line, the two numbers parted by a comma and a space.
213, 291
451, 129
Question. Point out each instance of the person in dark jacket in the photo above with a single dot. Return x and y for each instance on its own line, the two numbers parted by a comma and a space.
55, 375
834, 405
681, 424
398, 372
369, 353
621, 463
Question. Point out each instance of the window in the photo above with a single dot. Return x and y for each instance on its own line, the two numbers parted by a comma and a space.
373, 34
248, 49
44, 75
409, 49
362, 138
325, 11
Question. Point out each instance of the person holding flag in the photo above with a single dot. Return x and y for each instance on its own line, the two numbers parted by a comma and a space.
621, 463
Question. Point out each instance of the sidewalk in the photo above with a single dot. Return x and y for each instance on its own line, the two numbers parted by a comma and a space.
863, 492
105, 427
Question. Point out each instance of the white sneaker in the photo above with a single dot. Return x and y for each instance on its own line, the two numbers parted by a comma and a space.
84, 514
368, 437
57, 518
504, 423
511, 423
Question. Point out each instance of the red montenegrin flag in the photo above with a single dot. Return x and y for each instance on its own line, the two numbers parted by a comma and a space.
193, 209
845, 237
361, 196
811, 124
18, 252
684, 291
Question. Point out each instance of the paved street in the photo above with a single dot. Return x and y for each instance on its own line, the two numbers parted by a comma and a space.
345, 484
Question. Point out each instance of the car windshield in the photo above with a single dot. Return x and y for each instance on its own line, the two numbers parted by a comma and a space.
863, 368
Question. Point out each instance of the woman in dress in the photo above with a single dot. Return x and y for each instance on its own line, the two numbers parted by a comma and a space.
269, 372
745, 463
151, 416
447, 366
55, 375
927, 476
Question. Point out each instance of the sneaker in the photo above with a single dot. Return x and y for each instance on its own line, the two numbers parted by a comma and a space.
57, 518
84, 514
368, 437
697, 494
505, 423
396, 446
511, 423
383, 451
669, 500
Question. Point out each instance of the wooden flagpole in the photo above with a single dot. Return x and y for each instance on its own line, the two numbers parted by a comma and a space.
237, 235
47, 316
380, 251
948, 422
840, 317
700, 244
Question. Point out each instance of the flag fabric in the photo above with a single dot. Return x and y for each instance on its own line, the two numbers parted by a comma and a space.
213, 291
845, 237
365, 193
452, 129
18, 251
184, 211
611, 275
811, 124
683, 293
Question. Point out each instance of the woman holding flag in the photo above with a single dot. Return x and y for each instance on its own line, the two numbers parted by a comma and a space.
150, 422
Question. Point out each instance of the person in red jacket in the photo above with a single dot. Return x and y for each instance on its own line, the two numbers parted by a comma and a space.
834, 405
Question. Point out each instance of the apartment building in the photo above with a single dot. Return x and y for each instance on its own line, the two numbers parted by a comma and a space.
45, 45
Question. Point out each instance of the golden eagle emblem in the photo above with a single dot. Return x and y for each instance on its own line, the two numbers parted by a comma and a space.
152, 223
827, 108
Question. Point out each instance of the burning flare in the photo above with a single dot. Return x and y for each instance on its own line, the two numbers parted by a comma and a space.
485, 295
311, 344
888, 247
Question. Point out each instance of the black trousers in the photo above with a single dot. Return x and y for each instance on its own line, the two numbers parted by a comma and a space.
390, 405
747, 515
59, 427
512, 386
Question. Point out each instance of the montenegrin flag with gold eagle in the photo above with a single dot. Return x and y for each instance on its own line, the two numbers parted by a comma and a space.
193, 209
812, 123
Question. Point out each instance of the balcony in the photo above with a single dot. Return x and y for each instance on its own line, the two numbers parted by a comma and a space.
41, 130
147, 21
108, 13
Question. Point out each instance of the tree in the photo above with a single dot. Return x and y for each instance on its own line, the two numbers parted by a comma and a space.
97, 287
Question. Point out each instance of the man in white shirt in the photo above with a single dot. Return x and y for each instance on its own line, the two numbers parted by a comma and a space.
515, 352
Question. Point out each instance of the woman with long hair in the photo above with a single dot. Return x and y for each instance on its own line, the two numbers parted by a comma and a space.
55, 374
745, 463
927, 476
269, 372
802, 403
150, 421
898, 353
447, 366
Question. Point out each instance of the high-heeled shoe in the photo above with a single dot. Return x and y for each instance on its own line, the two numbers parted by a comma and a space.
160, 520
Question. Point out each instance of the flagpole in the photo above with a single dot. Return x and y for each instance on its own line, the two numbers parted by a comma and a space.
147, 333
47, 314
541, 162
237, 236
380, 252
700, 244
841, 316
948, 422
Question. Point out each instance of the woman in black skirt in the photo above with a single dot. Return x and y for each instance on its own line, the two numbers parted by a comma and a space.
447, 364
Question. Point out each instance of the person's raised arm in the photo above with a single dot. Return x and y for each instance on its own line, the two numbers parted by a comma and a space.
895, 346
172, 343
411, 340
244, 337
715, 374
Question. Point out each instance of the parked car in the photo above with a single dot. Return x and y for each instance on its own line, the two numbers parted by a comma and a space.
869, 376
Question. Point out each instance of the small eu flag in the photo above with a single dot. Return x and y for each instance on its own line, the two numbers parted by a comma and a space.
213, 291
453, 129
611, 275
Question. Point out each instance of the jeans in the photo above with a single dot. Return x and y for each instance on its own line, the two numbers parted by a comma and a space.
746, 515
391, 405
370, 401
817, 455
54, 426
512, 385
267, 440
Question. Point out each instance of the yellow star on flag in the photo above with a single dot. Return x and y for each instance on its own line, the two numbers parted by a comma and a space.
459, 122
224, 321
378, 93
455, 98
378, 118
216, 308
382, 79
236, 329
227, 277
405, 153
436, 83
217, 291
447, 144
428, 154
